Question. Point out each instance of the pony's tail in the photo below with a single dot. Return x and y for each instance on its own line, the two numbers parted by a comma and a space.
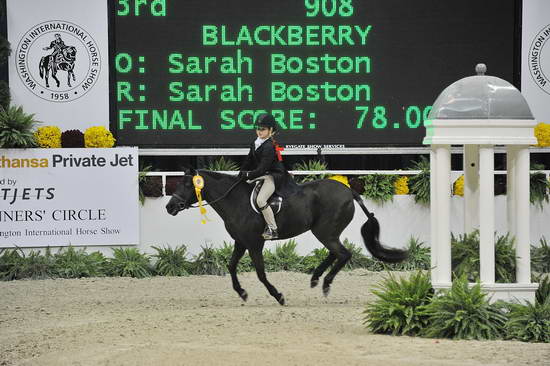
370, 232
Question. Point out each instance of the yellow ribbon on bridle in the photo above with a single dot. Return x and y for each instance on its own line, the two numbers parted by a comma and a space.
198, 182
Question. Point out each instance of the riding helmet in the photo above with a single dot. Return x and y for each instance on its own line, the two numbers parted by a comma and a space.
265, 120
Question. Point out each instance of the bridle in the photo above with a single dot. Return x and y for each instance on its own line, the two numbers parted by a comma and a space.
183, 206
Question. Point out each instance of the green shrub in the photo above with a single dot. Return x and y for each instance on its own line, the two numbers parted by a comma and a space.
464, 313
419, 257
465, 257
314, 259
358, 258
226, 252
538, 187
16, 128
223, 164
542, 294
284, 258
311, 165
540, 257
72, 263
129, 262
419, 184
209, 262
400, 307
171, 261
529, 322
379, 187
11, 264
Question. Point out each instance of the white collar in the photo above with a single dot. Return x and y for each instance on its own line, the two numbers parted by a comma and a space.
258, 142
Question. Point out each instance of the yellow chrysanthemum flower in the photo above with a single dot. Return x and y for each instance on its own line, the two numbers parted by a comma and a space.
458, 186
48, 136
542, 133
98, 136
401, 185
340, 178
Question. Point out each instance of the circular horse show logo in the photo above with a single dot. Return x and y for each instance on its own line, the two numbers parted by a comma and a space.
58, 61
539, 59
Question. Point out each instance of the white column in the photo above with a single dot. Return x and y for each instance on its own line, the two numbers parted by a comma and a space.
523, 262
443, 193
471, 188
486, 214
433, 216
511, 199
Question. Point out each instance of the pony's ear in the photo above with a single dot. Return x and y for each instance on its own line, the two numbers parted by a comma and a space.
189, 171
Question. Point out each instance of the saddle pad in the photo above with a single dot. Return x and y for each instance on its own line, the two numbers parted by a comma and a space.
275, 201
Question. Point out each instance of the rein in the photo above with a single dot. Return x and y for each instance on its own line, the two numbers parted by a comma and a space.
212, 202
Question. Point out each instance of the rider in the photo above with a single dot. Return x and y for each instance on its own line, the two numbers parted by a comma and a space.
264, 162
57, 44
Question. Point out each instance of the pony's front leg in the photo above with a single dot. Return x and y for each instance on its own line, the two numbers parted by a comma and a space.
238, 252
258, 260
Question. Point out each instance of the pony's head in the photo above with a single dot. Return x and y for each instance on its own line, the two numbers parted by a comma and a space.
184, 195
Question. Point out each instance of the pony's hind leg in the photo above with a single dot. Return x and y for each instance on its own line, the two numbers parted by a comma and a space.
342, 257
238, 252
258, 260
321, 269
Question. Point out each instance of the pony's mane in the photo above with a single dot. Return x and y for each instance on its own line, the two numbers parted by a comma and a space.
217, 175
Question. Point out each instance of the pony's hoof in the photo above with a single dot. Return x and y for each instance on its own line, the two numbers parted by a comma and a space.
281, 299
326, 290
314, 283
244, 295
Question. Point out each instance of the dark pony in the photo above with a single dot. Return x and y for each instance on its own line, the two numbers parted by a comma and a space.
324, 206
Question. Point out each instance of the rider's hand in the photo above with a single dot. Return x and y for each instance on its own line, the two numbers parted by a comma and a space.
243, 174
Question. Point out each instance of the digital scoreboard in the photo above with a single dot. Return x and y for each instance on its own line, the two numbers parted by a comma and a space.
343, 73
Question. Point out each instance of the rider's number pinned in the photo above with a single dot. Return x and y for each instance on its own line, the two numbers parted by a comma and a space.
198, 182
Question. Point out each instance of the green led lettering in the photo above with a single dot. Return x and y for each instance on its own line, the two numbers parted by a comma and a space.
138, 4
159, 120
244, 36
141, 113
158, 8
312, 65
125, 8
313, 93
329, 12
425, 115
228, 64
312, 35
294, 35
327, 32
278, 91
241, 119
209, 35
176, 66
123, 118
257, 39
123, 63
363, 33
228, 123
295, 119
176, 121
177, 94
379, 121
363, 110
123, 91
345, 33
344, 93
312, 7
346, 8
413, 117
276, 35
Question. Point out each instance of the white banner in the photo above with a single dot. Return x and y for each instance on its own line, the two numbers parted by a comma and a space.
58, 197
535, 58
59, 68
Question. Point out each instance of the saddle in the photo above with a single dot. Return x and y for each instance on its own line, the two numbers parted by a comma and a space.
275, 201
